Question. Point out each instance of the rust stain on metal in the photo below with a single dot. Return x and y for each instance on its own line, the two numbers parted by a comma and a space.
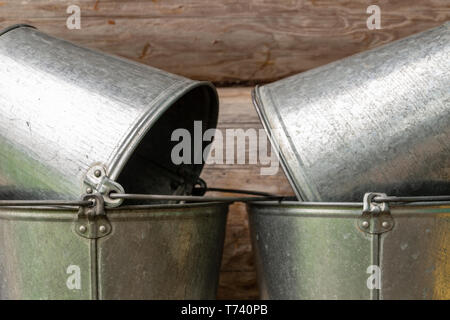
96, 5
111, 22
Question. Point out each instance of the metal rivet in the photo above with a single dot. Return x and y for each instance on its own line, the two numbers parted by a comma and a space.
82, 229
365, 224
89, 190
102, 229
385, 224
97, 173
376, 209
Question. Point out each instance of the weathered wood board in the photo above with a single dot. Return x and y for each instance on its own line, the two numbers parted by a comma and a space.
238, 277
229, 41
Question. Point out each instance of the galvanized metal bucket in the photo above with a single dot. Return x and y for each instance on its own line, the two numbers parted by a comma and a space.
135, 252
74, 120
379, 120
382, 248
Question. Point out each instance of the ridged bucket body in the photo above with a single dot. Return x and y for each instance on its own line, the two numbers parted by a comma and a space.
151, 252
320, 251
68, 111
378, 120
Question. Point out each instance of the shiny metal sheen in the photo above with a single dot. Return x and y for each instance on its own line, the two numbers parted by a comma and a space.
153, 252
73, 118
379, 120
316, 251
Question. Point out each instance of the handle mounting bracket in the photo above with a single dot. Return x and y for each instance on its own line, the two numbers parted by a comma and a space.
376, 217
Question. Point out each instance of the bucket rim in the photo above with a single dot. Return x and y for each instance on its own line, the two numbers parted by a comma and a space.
16, 26
124, 210
265, 120
117, 215
340, 205
138, 132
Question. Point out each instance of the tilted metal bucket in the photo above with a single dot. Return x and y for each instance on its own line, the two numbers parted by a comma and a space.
367, 250
135, 252
379, 120
74, 120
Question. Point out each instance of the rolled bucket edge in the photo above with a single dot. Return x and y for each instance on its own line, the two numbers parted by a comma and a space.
16, 26
260, 108
137, 133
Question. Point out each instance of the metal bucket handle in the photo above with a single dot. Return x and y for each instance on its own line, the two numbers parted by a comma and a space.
88, 200
198, 195
374, 203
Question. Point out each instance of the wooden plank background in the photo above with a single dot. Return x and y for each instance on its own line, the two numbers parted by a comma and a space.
231, 42
238, 277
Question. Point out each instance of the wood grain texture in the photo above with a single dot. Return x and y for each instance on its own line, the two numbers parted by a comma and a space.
238, 276
229, 41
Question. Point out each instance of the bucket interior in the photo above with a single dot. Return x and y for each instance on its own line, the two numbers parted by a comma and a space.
150, 168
